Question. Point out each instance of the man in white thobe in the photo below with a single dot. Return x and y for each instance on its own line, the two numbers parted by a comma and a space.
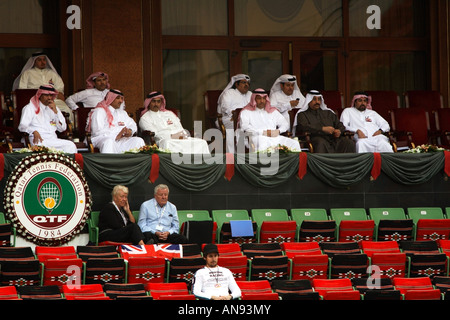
264, 124
236, 95
111, 128
97, 86
285, 95
367, 124
39, 71
169, 132
41, 118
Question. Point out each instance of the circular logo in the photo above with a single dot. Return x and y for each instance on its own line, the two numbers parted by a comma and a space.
47, 198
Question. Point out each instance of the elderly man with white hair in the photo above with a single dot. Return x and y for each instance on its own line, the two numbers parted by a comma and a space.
323, 125
367, 125
285, 95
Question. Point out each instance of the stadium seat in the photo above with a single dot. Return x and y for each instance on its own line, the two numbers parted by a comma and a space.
62, 271
92, 225
20, 272
442, 120
60, 252
356, 230
432, 229
9, 293
86, 252
193, 215
371, 247
339, 214
183, 270
7, 233
221, 216
442, 283
342, 295
395, 230
294, 290
254, 287
309, 267
16, 253
104, 270
428, 99
50, 292
228, 249
348, 266
419, 283
263, 215
317, 231
86, 291
260, 296
251, 250
156, 290
390, 265
301, 214
199, 231
292, 249
427, 264
363, 285
423, 295
269, 268
334, 99
378, 295
411, 247
322, 286
226, 235
238, 265
114, 290
416, 213
277, 231
146, 269
333, 248
410, 125
381, 214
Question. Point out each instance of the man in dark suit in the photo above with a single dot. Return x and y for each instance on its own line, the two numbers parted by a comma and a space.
116, 221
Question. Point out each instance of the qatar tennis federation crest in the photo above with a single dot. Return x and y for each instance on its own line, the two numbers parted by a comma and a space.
47, 198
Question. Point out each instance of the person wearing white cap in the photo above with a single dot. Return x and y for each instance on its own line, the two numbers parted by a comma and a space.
264, 124
39, 71
323, 125
236, 95
169, 132
285, 95
367, 125
213, 282
41, 118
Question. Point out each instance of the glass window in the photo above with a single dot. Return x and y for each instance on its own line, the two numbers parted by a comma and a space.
187, 75
263, 67
315, 18
194, 17
318, 70
387, 71
29, 16
398, 18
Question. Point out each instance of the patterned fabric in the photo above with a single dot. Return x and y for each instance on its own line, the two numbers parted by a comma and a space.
278, 231
410, 247
371, 247
162, 289
146, 269
183, 269
86, 291
40, 293
294, 290
433, 229
310, 267
238, 265
5, 235
64, 252
333, 248
391, 265
292, 249
60, 272
349, 266
105, 270
428, 265
318, 231
225, 235
366, 284
395, 230
16, 253
86, 252
356, 231
20, 273
322, 286
405, 284
252, 250
113, 290
269, 268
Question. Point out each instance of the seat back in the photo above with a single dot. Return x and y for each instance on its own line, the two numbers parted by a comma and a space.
277, 231
427, 99
292, 249
411, 247
269, 268
60, 252
183, 269
256, 286
156, 290
395, 230
417, 283
199, 232
334, 100
20, 273
228, 250
348, 266
427, 264
433, 229
294, 290
210, 100
342, 295
62, 271
6, 232
146, 269
339, 214
390, 265
46, 292
260, 296
418, 213
423, 295
371, 247
16, 253
252, 250
86, 252
377, 214
383, 295
104, 270
226, 235
113, 290
20, 98
369, 284
333, 248
9, 293
309, 267
193, 215
221, 216
415, 120
301, 214
87, 291
356, 231
238, 265
324, 285
383, 101
317, 231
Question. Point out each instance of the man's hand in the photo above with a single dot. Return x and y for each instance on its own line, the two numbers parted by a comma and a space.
271, 133
328, 130
125, 132
360, 134
52, 106
37, 137
162, 235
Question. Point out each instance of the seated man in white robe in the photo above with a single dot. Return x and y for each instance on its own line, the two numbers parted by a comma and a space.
41, 118
97, 86
39, 71
285, 95
169, 132
264, 124
111, 128
235, 95
367, 124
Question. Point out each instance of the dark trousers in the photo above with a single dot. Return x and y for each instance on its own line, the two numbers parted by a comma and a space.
131, 233
174, 238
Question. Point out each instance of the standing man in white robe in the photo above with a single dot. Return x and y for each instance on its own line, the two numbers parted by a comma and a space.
39, 71
236, 95
169, 132
367, 124
285, 95
264, 124
41, 118
111, 128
